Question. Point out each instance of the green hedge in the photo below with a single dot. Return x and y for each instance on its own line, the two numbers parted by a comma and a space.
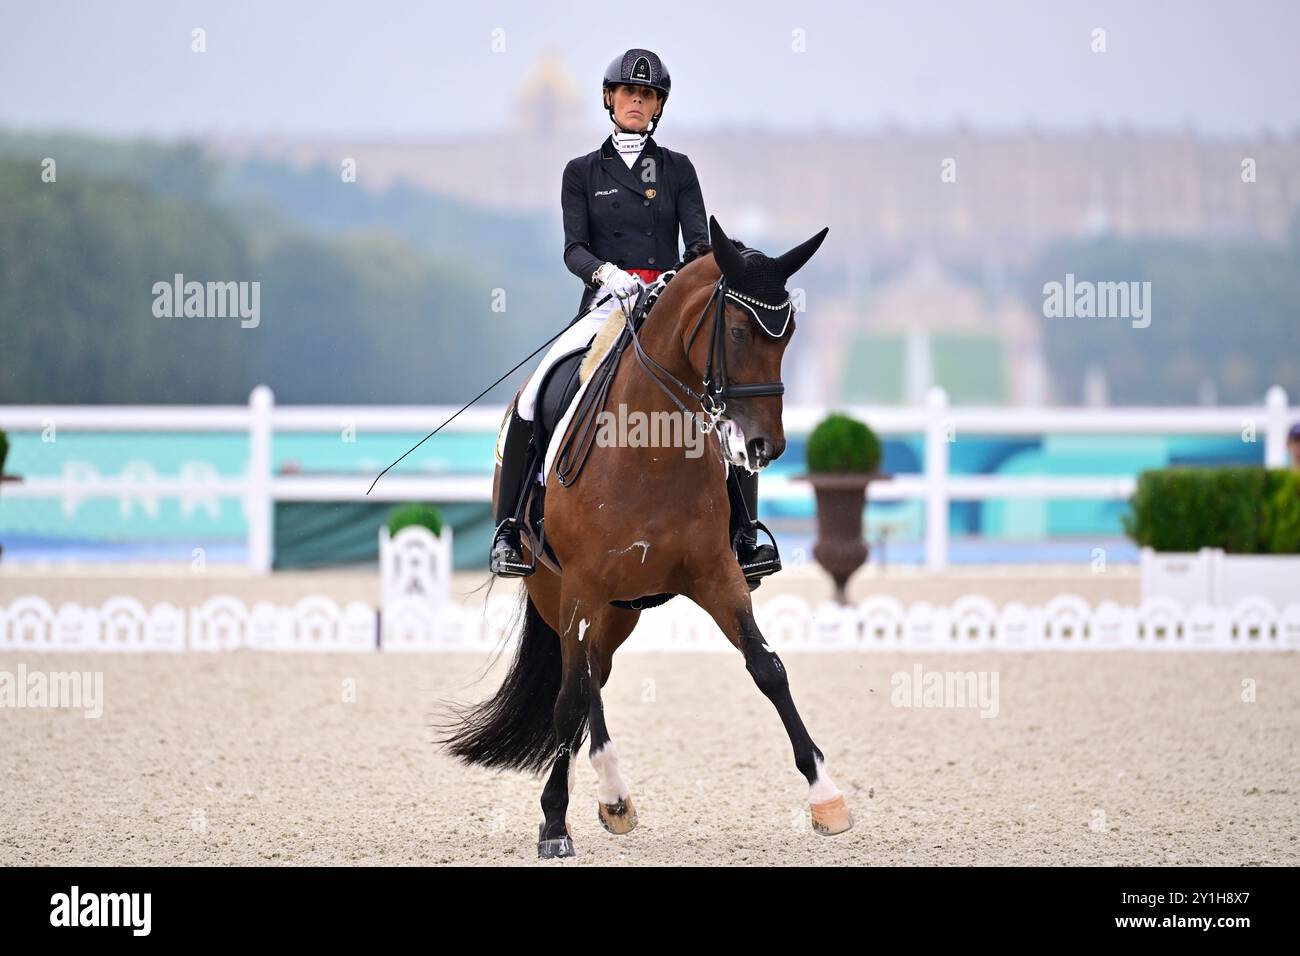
1240, 510
425, 515
4, 449
842, 444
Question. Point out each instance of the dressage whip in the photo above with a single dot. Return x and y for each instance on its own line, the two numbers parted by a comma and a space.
489, 388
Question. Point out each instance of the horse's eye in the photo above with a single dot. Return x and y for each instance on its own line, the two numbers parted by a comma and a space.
738, 334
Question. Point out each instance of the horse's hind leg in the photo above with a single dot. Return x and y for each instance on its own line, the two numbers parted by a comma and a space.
553, 838
725, 596
613, 800
571, 709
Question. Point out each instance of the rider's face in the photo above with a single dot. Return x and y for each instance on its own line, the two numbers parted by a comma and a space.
635, 106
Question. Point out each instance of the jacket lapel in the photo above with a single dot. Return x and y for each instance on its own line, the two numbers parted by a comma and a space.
615, 166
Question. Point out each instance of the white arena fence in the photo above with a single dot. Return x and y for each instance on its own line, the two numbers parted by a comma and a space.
789, 623
938, 422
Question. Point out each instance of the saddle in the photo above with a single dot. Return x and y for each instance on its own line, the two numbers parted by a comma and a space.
557, 393
559, 388
593, 365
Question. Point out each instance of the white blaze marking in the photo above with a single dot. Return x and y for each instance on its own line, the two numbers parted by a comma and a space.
609, 785
582, 629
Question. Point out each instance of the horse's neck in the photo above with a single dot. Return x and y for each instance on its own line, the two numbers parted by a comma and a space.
661, 338
636, 392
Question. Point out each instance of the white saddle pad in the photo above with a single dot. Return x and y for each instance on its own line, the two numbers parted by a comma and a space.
598, 353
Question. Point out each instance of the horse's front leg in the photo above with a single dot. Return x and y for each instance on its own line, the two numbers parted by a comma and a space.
613, 799
723, 593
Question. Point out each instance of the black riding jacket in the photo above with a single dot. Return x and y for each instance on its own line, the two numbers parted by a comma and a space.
629, 217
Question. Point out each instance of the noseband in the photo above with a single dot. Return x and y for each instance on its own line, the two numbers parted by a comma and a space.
717, 385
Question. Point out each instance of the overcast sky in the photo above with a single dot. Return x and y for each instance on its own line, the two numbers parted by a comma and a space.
412, 69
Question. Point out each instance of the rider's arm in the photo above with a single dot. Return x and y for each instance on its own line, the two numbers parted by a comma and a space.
582, 262
690, 207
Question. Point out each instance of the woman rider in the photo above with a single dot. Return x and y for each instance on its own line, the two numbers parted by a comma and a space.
623, 206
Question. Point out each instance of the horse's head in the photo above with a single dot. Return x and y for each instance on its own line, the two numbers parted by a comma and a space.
757, 323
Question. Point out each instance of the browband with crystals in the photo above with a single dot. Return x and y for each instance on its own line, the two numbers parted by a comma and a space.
748, 302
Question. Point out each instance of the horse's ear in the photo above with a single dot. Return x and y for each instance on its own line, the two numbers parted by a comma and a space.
725, 252
794, 260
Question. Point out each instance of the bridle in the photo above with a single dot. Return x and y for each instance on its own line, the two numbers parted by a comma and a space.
718, 387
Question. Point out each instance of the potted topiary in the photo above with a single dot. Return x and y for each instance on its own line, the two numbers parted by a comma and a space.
843, 458
418, 513
1217, 535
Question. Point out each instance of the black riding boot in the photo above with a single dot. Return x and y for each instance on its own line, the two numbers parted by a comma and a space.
756, 560
507, 559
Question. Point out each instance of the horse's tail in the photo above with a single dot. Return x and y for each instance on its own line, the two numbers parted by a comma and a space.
515, 728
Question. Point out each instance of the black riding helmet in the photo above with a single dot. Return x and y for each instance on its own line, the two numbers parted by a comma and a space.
638, 68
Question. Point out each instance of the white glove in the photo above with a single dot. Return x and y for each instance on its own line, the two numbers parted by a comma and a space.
622, 285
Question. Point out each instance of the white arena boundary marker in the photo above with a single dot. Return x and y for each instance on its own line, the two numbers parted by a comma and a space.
791, 625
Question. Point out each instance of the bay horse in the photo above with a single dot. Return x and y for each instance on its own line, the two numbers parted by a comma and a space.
642, 522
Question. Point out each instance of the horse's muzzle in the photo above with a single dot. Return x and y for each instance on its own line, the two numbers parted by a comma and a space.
764, 451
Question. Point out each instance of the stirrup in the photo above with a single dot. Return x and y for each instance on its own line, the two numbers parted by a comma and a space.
760, 560
507, 557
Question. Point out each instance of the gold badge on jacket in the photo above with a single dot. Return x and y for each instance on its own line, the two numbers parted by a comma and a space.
649, 194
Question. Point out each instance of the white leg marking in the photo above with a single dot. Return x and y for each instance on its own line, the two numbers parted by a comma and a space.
609, 785
573, 771
823, 788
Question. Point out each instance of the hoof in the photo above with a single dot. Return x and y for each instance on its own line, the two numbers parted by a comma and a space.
831, 817
617, 817
555, 849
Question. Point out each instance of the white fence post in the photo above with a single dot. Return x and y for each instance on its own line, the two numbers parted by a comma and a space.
258, 505
936, 479
1275, 427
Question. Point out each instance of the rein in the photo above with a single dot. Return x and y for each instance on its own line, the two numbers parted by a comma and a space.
581, 435
717, 386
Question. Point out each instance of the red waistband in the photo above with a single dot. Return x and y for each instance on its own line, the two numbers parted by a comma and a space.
647, 275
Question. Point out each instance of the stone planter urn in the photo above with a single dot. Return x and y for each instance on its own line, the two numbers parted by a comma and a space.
840, 547
843, 457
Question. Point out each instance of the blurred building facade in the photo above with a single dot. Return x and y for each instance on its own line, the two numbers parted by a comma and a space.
912, 278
